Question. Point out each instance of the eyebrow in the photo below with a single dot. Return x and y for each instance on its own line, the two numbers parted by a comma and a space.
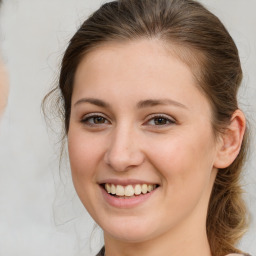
140, 104
156, 102
93, 101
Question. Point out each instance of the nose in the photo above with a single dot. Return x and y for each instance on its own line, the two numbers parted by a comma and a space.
123, 152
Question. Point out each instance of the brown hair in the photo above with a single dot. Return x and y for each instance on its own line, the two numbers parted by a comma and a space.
198, 37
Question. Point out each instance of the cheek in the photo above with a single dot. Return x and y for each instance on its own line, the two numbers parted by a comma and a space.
186, 169
184, 162
84, 154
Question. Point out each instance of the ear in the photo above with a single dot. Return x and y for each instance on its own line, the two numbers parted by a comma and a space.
231, 140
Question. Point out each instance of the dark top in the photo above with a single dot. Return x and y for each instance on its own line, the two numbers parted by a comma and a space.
101, 252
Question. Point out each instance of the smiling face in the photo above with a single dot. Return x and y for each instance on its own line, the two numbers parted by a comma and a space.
138, 118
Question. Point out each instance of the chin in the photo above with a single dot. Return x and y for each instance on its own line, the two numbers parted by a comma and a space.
130, 231
131, 237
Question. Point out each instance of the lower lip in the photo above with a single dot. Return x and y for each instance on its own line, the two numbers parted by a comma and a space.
126, 202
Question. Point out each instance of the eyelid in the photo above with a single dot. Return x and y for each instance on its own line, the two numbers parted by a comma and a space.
91, 114
94, 114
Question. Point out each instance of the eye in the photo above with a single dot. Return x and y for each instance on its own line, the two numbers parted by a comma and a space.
94, 120
160, 120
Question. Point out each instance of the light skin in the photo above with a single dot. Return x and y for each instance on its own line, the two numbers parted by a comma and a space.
137, 114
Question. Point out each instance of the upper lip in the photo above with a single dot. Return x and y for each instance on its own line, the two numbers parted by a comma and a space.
125, 182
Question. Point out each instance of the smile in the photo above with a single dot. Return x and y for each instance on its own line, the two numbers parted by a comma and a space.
129, 191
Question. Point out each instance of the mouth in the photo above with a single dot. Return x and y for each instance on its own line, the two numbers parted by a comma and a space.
128, 191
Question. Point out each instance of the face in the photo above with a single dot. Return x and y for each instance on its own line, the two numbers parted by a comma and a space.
140, 141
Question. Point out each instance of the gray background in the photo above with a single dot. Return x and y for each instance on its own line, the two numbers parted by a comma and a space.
39, 211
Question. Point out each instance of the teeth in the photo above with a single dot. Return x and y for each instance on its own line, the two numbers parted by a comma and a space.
137, 189
144, 188
150, 188
108, 187
113, 189
119, 190
129, 190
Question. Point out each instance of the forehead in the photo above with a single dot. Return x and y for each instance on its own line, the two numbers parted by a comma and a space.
142, 68
143, 51
136, 59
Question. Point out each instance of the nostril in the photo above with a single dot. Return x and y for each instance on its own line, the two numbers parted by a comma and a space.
122, 154
122, 163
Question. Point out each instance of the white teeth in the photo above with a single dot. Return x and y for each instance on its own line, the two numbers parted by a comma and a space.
137, 189
150, 188
144, 188
129, 190
113, 189
108, 187
119, 190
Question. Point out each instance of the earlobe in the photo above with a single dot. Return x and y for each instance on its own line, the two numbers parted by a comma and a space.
231, 140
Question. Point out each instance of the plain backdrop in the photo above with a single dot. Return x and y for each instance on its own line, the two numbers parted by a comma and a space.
39, 211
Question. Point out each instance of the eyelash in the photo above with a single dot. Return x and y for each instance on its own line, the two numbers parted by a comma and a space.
93, 116
168, 121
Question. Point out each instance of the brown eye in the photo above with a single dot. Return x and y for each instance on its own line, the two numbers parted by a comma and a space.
94, 120
99, 120
160, 121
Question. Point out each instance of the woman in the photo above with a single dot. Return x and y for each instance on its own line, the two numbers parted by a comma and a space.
155, 136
